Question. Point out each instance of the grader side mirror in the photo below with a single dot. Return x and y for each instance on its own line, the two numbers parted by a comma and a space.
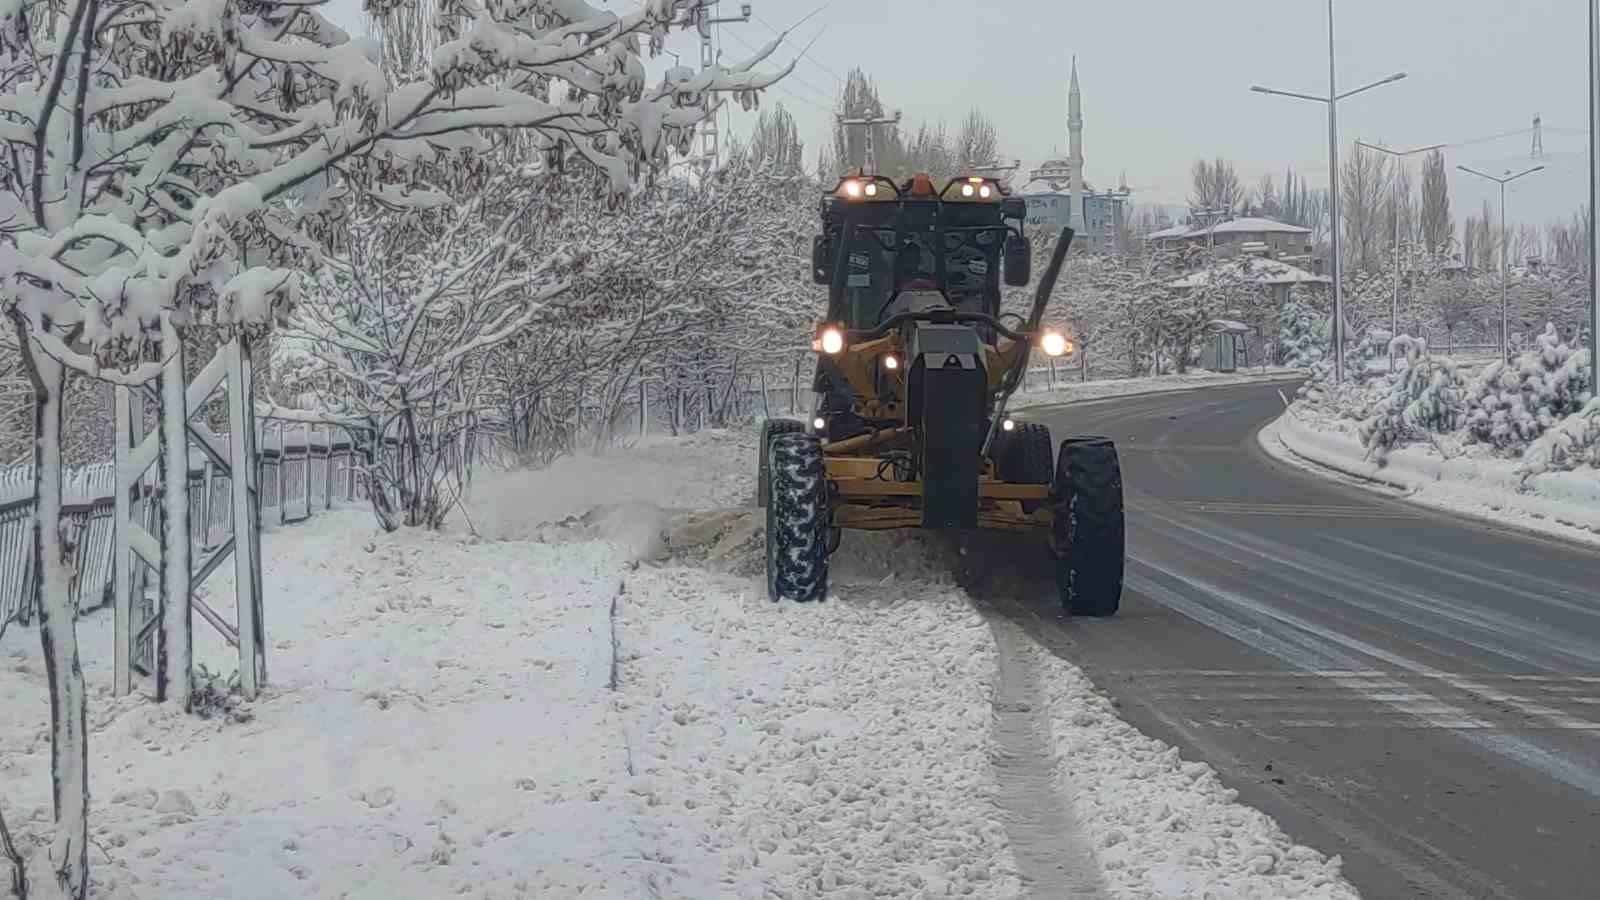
820, 270
1018, 262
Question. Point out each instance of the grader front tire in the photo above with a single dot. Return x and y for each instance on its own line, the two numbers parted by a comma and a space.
798, 523
1090, 530
770, 429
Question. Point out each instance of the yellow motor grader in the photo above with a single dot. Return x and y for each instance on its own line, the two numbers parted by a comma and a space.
916, 363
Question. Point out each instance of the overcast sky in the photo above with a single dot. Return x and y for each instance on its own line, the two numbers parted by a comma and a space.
1165, 81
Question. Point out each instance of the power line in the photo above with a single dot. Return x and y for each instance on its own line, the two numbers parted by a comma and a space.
797, 79
1488, 138
804, 53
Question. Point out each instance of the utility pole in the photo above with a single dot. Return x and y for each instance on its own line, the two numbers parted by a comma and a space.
1214, 217
703, 23
1394, 302
1505, 324
1332, 100
869, 123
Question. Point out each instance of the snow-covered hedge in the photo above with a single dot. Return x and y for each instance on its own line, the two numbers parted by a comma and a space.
1539, 409
1422, 398
1511, 406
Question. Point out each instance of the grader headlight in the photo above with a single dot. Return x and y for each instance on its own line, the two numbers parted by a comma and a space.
1054, 343
830, 340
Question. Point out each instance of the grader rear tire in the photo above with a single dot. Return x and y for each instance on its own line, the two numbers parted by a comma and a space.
1027, 458
1089, 529
798, 523
770, 429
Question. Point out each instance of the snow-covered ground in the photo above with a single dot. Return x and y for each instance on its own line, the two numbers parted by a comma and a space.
1067, 391
1471, 481
592, 696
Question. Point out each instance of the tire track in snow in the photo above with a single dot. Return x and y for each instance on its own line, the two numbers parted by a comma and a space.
1053, 855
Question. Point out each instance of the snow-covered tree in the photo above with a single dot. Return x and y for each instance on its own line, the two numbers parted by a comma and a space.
174, 166
1364, 190
403, 322
1215, 184
1437, 224
1299, 333
775, 141
859, 99
976, 143
1509, 406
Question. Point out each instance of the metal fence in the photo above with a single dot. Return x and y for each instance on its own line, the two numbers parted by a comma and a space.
301, 470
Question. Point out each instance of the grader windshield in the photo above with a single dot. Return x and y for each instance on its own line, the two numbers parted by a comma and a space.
889, 248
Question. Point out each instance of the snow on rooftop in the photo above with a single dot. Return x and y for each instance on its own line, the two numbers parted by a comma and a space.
1245, 225
1173, 232
1230, 325
1264, 271
1251, 224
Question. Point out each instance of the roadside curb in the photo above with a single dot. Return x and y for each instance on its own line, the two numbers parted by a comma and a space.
1565, 505
1270, 378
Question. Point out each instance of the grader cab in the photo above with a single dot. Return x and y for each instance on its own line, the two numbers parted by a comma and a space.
916, 363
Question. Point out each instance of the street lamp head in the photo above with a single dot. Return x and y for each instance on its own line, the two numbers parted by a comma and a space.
1259, 89
1395, 77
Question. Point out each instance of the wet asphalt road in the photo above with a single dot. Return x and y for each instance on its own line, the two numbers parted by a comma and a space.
1417, 692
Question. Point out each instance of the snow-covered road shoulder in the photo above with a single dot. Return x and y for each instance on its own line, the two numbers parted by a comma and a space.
1560, 504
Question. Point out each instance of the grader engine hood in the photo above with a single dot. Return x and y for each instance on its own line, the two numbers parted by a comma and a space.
946, 395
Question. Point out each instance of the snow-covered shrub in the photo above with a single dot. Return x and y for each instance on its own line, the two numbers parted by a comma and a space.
1510, 406
1571, 444
1299, 332
1421, 400
1373, 348
219, 697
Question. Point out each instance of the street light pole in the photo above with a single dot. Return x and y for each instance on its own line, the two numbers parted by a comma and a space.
1394, 301
1505, 324
1332, 100
1333, 209
1594, 196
